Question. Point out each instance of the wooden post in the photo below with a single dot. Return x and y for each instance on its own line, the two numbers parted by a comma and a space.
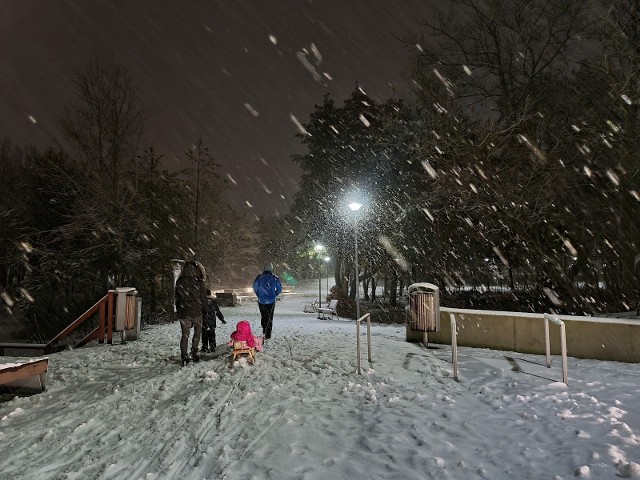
101, 323
110, 318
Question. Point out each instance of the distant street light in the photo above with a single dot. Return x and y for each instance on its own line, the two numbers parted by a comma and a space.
355, 206
318, 249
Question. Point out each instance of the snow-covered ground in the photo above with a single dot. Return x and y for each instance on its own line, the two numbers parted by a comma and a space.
301, 412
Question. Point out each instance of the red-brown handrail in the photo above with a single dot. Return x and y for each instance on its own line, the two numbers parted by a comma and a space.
105, 308
106, 313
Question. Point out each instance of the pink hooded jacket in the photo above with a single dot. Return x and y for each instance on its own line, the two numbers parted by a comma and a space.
243, 334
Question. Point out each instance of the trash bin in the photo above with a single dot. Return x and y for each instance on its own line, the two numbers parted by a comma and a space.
226, 299
423, 312
128, 312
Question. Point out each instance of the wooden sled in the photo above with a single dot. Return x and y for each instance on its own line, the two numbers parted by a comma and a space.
241, 349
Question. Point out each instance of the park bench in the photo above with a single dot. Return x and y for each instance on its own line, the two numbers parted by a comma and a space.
311, 307
329, 310
27, 377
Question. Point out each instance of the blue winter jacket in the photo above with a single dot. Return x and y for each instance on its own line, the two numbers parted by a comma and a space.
267, 287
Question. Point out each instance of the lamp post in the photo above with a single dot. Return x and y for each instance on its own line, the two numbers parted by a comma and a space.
319, 248
355, 206
326, 263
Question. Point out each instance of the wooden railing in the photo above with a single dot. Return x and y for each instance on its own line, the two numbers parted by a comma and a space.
106, 321
106, 318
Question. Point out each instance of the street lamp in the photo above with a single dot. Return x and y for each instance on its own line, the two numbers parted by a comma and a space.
319, 248
326, 262
355, 206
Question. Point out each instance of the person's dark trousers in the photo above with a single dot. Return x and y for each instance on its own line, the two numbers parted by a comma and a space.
266, 320
185, 327
208, 338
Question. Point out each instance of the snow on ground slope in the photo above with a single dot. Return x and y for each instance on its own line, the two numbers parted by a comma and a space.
301, 412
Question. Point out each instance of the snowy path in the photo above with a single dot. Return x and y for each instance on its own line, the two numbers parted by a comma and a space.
130, 412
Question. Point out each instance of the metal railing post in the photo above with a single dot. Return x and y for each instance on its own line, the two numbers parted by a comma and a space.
368, 317
563, 340
563, 344
369, 337
454, 345
547, 344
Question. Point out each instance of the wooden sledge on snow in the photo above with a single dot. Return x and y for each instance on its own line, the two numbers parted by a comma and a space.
241, 349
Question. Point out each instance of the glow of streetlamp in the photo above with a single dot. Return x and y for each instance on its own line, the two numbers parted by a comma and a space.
355, 206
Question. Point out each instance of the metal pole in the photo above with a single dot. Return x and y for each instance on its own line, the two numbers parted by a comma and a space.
369, 337
355, 206
454, 345
357, 275
320, 287
547, 346
563, 344
319, 248
563, 340
358, 347
327, 271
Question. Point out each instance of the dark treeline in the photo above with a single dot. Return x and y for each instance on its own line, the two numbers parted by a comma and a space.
97, 211
517, 165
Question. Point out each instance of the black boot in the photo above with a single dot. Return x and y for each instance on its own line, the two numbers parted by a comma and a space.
195, 357
185, 360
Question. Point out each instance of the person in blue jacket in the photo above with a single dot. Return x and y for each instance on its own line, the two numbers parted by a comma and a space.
267, 287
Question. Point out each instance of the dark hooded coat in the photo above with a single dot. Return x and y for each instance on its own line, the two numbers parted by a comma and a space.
191, 292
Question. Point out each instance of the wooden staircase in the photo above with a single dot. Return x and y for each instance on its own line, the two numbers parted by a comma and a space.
106, 321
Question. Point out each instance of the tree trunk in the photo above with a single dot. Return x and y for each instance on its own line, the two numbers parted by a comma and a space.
393, 289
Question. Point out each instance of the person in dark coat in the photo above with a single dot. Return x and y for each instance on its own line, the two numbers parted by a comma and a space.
267, 287
191, 303
209, 323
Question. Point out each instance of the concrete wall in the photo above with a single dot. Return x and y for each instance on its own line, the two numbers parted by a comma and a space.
587, 337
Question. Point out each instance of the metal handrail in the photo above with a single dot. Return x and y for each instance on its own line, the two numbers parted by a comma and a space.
563, 342
454, 346
368, 317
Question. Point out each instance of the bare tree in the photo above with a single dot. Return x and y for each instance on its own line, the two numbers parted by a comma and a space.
505, 70
105, 124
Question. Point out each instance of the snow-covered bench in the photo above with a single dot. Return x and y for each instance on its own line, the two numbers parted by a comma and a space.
311, 307
27, 377
329, 310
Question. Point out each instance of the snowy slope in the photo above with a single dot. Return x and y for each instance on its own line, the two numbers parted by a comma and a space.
301, 412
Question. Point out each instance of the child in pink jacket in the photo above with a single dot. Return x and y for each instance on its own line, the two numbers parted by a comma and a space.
243, 334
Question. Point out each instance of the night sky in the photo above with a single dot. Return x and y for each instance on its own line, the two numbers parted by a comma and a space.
232, 72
